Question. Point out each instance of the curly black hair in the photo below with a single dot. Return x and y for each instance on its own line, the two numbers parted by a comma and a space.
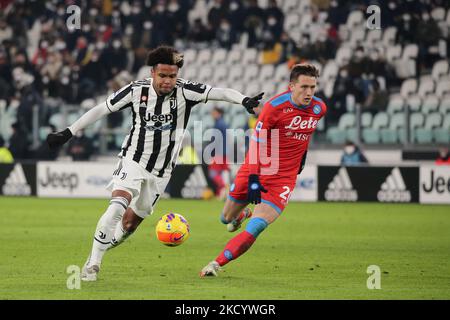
165, 55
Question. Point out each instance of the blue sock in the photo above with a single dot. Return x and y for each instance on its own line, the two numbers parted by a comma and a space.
256, 225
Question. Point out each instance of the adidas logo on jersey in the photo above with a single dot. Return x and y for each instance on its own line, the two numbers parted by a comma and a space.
195, 184
394, 188
16, 184
341, 188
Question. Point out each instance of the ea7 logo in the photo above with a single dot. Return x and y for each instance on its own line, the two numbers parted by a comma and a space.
298, 123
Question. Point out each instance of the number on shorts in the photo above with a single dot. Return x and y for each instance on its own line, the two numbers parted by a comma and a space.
156, 199
286, 194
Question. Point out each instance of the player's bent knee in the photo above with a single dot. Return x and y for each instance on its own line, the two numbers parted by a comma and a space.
120, 201
256, 225
128, 195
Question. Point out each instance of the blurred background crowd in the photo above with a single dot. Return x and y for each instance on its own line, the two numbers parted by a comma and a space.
44, 64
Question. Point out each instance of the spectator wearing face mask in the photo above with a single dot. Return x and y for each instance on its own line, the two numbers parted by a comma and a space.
225, 36
352, 155
216, 14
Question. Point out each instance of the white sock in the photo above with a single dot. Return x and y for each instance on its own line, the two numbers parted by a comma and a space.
120, 234
105, 229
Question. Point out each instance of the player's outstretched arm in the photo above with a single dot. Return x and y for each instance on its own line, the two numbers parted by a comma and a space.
233, 96
57, 139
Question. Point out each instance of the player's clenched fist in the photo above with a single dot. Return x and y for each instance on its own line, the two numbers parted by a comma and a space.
57, 139
254, 189
253, 102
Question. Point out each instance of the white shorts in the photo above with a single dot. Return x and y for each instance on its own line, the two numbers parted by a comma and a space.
145, 187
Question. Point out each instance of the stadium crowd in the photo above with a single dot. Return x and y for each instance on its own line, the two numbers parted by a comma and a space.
44, 63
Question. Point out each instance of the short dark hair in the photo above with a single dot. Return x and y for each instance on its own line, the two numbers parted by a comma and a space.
303, 69
165, 55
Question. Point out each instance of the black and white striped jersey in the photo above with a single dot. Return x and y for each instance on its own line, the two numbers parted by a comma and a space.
158, 122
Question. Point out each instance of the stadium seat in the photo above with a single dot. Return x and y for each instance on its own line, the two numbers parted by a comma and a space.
351, 134
406, 66
414, 103
266, 72
93, 129
239, 122
306, 21
296, 34
338, 134
357, 36
409, 86
282, 87
440, 68
354, 19
443, 88
252, 88
7, 117
205, 74
350, 103
251, 72
289, 5
366, 120
220, 74
143, 73
269, 89
291, 21
391, 135
190, 56
372, 135
373, 36
57, 120
425, 88
203, 57
410, 51
219, 56
389, 36
438, 14
250, 56
281, 73
43, 132
234, 56
416, 120
430, 104
396, 104
343, 55
442, 134
189, 72
304, 5
393, 53
73, 116
235, 73
425, 134
330, 70
444, 107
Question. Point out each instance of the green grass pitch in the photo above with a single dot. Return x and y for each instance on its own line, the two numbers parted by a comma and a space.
313, 251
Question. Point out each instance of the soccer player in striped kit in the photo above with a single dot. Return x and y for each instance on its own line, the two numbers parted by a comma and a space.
276, 156
160, 107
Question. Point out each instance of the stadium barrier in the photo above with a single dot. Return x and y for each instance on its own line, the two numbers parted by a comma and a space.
415, 184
